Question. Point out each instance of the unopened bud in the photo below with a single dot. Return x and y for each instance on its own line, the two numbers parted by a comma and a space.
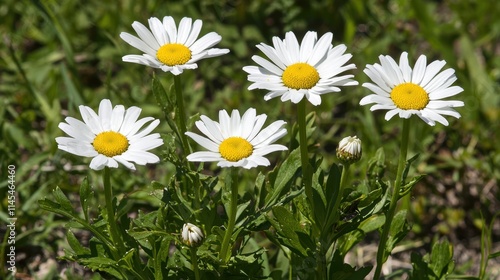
192, 235
349, 150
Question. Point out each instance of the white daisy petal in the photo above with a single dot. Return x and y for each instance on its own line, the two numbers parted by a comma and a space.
204, 142
204, 156
405, 67
307, 45
184, 30
419, 70
195, 31
117, 116
158, 31
99, 162
405, 91
145, 35
110, 137
165, 46
243, 143
137, 43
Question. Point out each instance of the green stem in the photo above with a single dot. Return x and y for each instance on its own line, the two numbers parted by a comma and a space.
381, 253
182, 114
194, 263
343, 180
225, 252
113, 229
304, 157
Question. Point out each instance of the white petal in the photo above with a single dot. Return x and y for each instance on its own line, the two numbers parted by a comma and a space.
99, 162
247, 122
142, 59
146, 143
137, 43
131, 116
195, 31
204, 142
440, 94
267, 65
117, 117
235, 122
293, 46
170, 27
321, 48
405, 67
205, 42
137, 125
123, 161
91, 119
307, 45
270, 52
184, 30
376, 89
211, 129
391, 114
80, 129
145, 35
315, 99
419, 70
204, 156
158, 31
146, 130
105, 110
267, 132
269, 149
257, 126
431, 71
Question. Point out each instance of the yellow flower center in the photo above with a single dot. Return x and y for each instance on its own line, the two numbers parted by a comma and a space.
300, 76
235, 149
110, 143
173, 54
409, 96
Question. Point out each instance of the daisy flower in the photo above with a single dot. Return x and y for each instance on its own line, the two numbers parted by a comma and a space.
419, 91
349, 149
169, 48
112, 136
192, 235
237, 141
297, 71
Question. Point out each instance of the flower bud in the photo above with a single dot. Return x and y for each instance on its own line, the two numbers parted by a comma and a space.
349, 150
192, 235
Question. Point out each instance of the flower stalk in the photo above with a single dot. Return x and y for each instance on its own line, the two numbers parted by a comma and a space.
381, 253
181, 116
225, 252
304, 156
113, 229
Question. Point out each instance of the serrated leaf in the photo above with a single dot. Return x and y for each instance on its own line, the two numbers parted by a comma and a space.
285, 174
399, 229
332, 186
74, 243
441, 261
291, 234
63, 201
407, 168
409, 186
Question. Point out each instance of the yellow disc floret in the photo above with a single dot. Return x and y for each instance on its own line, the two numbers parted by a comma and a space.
173, 54
409, 96
235, 149
110, 143
300, 76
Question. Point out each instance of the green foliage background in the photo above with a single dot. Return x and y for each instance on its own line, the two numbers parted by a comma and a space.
56, 55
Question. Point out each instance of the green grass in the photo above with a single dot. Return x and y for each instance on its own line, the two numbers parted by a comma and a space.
57, 55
